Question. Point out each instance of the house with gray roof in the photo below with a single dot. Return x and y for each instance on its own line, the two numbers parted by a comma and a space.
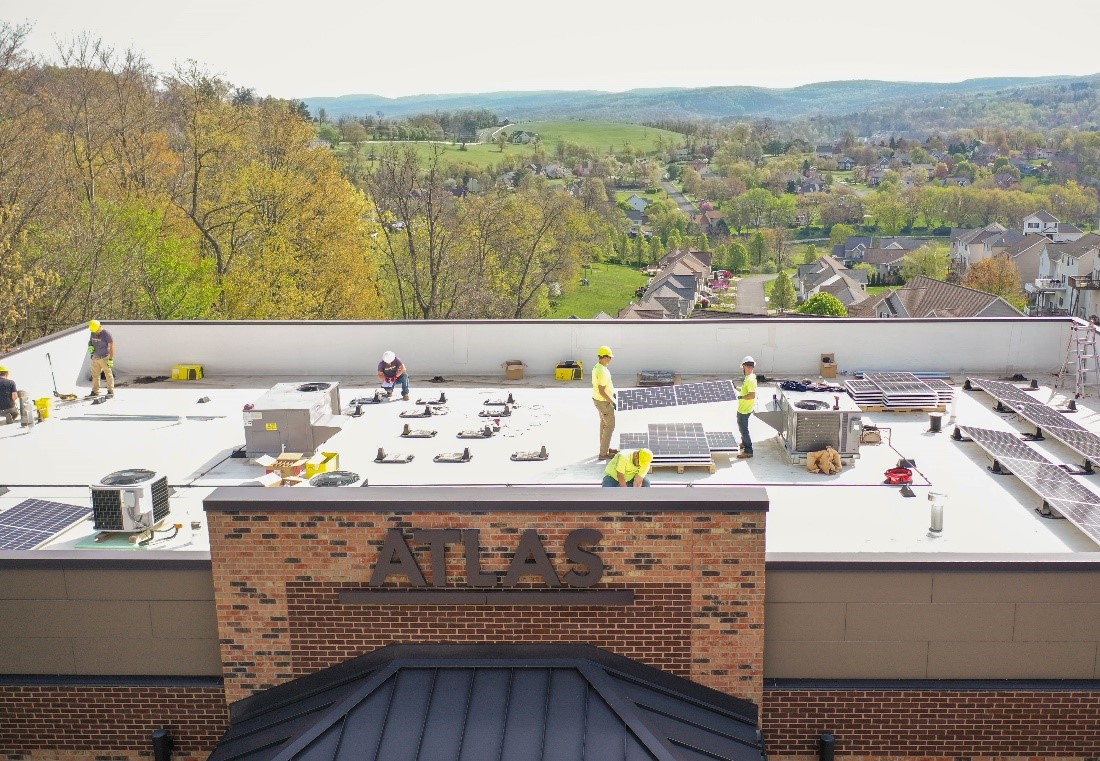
925, 297
827, 275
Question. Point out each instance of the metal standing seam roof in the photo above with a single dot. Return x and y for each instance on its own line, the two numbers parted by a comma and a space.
491, 703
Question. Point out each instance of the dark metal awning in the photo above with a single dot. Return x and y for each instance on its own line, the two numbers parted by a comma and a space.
491, 703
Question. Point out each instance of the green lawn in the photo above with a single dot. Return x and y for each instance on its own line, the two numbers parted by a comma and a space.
611, 287
599, 137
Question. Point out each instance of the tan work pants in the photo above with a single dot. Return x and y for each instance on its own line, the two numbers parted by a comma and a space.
607, 424
99, 365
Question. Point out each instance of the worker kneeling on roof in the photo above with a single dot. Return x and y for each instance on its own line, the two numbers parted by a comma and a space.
628, 468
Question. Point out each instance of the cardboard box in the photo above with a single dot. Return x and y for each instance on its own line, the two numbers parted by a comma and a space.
828, 366
286, 465
513, 369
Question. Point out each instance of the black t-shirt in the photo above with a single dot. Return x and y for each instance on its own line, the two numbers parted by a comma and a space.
7, 388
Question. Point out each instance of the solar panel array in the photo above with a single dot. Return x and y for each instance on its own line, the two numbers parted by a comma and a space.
33, 522
1059, 490
650, 397
679, 443
1045, 418
899, 391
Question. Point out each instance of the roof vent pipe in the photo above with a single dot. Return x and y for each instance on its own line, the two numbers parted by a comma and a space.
826, 746
937, 499
162, 745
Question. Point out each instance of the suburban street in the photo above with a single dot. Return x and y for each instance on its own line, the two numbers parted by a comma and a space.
681, 200
750, 294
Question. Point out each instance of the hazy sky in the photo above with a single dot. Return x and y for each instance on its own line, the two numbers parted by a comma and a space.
408, 47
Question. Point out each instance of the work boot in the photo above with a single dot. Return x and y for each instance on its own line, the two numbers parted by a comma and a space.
110, 394
91, 394
744, 455
404, 397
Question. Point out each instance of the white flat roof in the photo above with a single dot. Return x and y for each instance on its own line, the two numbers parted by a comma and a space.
163, 427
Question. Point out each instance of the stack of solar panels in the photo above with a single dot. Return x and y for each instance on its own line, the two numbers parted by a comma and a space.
864, 392
897, 391
717, 441
945, 392
656, 378
679, 444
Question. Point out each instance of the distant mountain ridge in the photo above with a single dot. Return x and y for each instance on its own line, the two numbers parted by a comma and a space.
818, 99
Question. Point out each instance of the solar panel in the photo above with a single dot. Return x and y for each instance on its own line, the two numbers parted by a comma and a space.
646, 398
898, 390
649, 397
1000, 390
1060, 491
678, 442
1001, 444
633, 440
722, 441
35, 521
705, 393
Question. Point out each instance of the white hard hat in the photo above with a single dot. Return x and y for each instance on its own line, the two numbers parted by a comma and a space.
748, 360
388, 356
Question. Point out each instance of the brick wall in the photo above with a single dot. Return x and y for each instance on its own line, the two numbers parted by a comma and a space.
698, 579
933, 725
89, 722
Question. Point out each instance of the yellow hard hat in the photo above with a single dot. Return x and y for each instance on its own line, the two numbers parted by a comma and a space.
645, 457
94, 326
604, 351
3, 369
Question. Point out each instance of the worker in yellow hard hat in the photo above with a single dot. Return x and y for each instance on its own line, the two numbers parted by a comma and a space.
9, 397
629, 469
603, 396
101, 347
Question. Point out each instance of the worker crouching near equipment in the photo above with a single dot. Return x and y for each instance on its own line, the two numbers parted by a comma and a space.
391, 371
629, 468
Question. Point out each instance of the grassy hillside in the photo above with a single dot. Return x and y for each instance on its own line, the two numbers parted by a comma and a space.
611, 287
596, 136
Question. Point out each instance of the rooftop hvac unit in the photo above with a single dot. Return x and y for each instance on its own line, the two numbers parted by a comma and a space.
336, 478
293, 417
809, 422
130, 500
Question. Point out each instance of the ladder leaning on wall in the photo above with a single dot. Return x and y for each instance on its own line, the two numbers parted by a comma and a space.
1082, 361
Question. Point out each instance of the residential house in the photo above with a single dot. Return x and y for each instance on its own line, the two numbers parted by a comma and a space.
683, 154
956, 182
555, 171
828, 275
972, 246
850, 252
675, 290
711, 222
523, 137
874, 176
1025, 254
638, 203
926, 297
845, 164
825, 151
1046, 224
886, 261
1046, 153
1068, 280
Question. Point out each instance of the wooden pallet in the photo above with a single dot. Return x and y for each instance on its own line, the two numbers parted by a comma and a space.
680, 466
881, 408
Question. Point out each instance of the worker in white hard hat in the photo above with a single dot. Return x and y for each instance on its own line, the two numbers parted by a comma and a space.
746, 403
101, 347
391, 371
629, 469
9, 398
603, 396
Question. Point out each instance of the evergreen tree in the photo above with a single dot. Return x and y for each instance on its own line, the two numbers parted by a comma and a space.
783, 295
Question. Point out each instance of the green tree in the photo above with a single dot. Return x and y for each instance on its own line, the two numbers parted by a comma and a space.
758, 249
809, 256
823, 304
783, 295
738, 257
932, 260
841, 233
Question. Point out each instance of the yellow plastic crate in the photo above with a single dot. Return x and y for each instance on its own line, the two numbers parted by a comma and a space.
569, 370
186, 372
322, 462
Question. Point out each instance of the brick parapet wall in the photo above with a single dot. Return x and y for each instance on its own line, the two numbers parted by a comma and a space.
91, 722
933, 725
698, 580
